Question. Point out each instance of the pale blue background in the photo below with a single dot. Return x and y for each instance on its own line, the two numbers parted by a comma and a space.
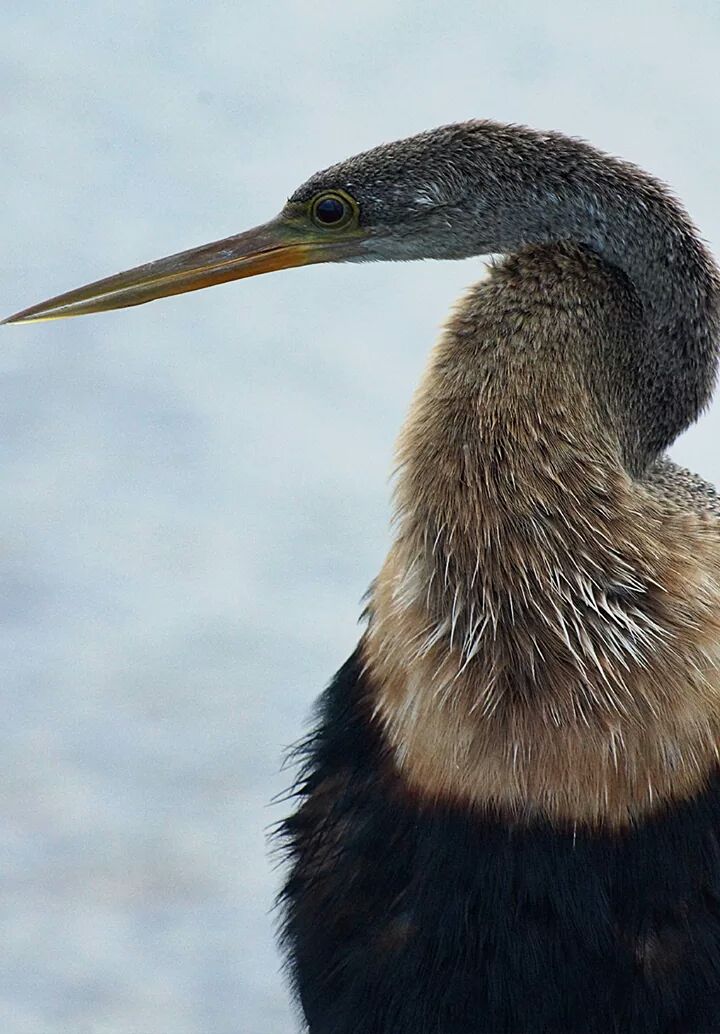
195, 492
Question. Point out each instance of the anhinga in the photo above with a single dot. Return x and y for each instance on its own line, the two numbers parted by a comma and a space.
509, 815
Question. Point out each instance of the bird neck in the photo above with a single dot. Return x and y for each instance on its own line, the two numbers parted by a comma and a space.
512, 458
661, 372
527, 622
530, 190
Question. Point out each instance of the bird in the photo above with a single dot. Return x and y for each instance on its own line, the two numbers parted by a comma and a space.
507, 813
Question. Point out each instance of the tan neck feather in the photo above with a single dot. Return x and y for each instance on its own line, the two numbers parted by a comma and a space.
545, 633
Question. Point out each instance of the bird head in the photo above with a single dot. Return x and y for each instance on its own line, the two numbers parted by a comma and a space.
413, 199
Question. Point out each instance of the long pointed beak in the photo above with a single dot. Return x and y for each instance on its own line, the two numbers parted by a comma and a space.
275, 245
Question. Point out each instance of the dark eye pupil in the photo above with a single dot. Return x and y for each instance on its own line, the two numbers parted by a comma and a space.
329, 210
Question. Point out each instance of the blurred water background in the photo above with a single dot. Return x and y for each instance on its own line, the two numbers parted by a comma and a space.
194, 493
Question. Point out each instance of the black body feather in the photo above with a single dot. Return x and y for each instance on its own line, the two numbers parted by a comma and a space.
403, 917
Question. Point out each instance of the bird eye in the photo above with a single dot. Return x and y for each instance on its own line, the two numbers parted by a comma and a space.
331, 210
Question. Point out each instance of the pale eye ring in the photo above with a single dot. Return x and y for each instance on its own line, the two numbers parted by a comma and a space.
331, 211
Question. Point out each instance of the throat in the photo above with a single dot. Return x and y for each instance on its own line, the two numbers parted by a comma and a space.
521, 631
511, 478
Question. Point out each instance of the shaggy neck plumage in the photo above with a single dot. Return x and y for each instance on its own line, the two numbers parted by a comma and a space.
541, 634
509, 520
561, 380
